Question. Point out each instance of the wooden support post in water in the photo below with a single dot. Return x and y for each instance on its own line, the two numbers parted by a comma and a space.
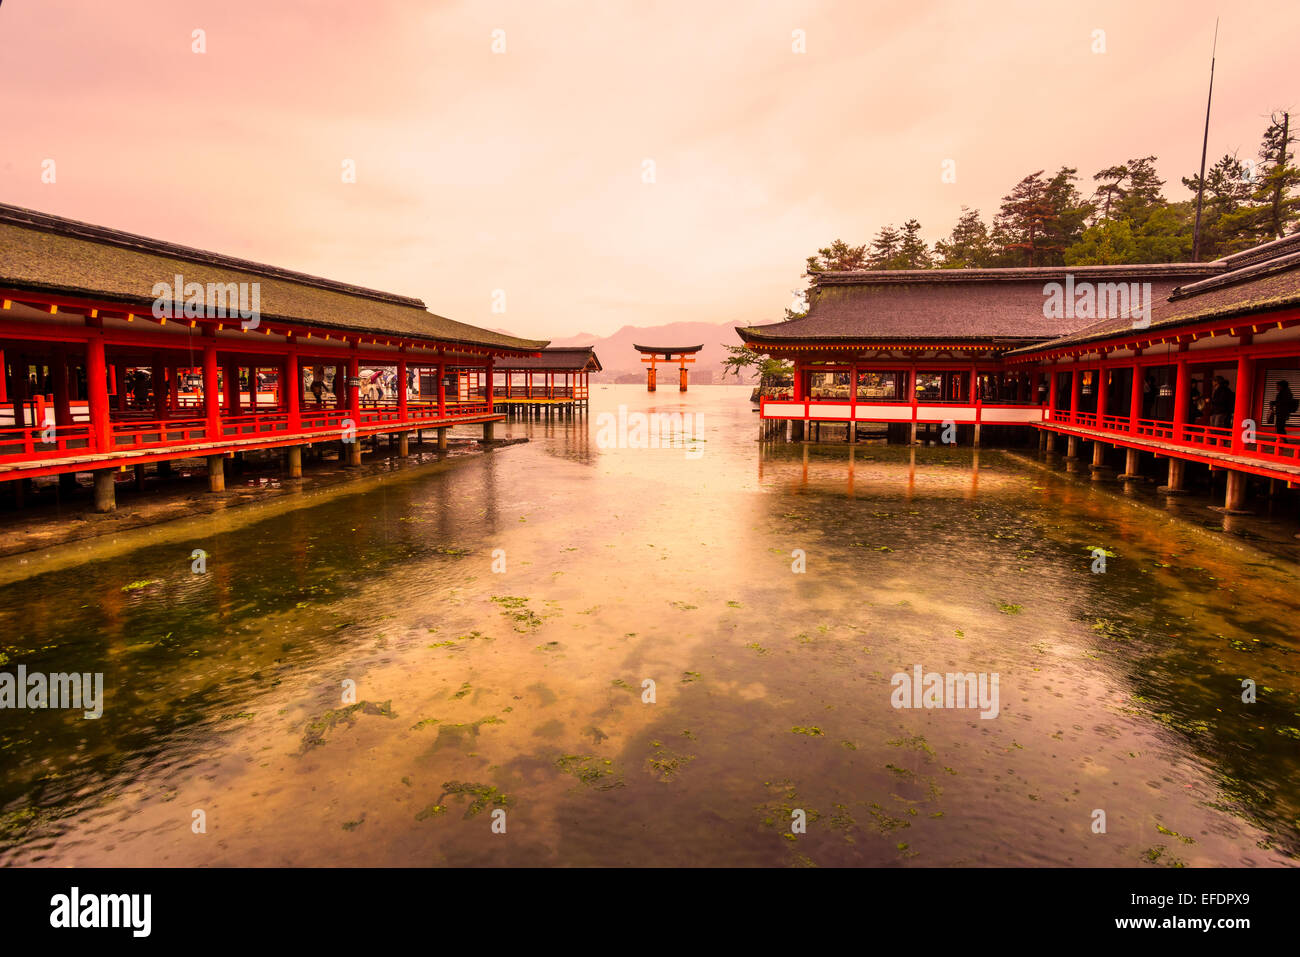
403, 444
487, 431
1100, 470
216, 473
105, 490
1177, 478
1234, 500
1132, 466
295, 461
442, 439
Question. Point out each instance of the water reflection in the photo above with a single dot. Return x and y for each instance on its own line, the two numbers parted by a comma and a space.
1120, 690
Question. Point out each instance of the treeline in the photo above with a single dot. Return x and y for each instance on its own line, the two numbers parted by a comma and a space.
1046, 220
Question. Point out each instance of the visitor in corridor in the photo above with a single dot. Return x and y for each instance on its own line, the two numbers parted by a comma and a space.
318, 390
1282, 407
1221, 401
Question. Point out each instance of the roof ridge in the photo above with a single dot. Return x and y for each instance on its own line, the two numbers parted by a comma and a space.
75, 229
1272, 249
1252, 270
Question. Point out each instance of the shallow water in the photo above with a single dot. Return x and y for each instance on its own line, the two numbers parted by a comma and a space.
521, 690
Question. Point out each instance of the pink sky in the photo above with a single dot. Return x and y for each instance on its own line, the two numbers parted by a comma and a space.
522, 171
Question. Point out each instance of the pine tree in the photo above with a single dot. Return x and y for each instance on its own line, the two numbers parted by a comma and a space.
969, 246
1227, 210
1278, 179
885, 249
1040, 218
1109, 191
913, 253
1142, 194
839, 256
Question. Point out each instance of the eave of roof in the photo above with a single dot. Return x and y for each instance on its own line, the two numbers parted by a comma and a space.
557, 359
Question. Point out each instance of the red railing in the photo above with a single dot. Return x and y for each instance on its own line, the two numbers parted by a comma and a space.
51, 441
538, 392
1268, 446
148, 433
136, 432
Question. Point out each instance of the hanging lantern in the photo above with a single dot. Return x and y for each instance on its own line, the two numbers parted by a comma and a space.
1166, 391
1086, 390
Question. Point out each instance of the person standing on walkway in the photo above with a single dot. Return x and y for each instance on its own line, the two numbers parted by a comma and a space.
1221, 401
1283, 406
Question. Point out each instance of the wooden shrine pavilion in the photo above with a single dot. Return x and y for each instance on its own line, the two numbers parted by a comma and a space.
985, 347
102, 371
557, 379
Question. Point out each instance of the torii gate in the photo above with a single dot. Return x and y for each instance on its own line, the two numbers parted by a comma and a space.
682, 355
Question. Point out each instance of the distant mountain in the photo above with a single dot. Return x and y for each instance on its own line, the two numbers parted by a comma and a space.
581, 339
620, 359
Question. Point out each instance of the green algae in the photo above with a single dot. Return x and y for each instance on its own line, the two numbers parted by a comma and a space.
482, 796
593, 771
314, 735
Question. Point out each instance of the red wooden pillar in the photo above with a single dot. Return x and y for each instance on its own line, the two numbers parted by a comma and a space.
353, 388
1182, 390
490, 365
1243, 405
1051, 391
19, 392
232, 388
211, 390
1102, 371
59, 385
158, 375
121, 387
4, 379
97, 394
650, 376
1076, 393
401, 389
442, 391
1135, 399
292, 388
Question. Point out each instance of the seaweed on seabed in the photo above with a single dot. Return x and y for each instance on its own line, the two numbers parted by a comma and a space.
315, 733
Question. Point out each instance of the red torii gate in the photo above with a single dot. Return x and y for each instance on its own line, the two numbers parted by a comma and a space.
682, 355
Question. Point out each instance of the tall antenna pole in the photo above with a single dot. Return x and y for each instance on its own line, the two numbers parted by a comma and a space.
1205, 142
